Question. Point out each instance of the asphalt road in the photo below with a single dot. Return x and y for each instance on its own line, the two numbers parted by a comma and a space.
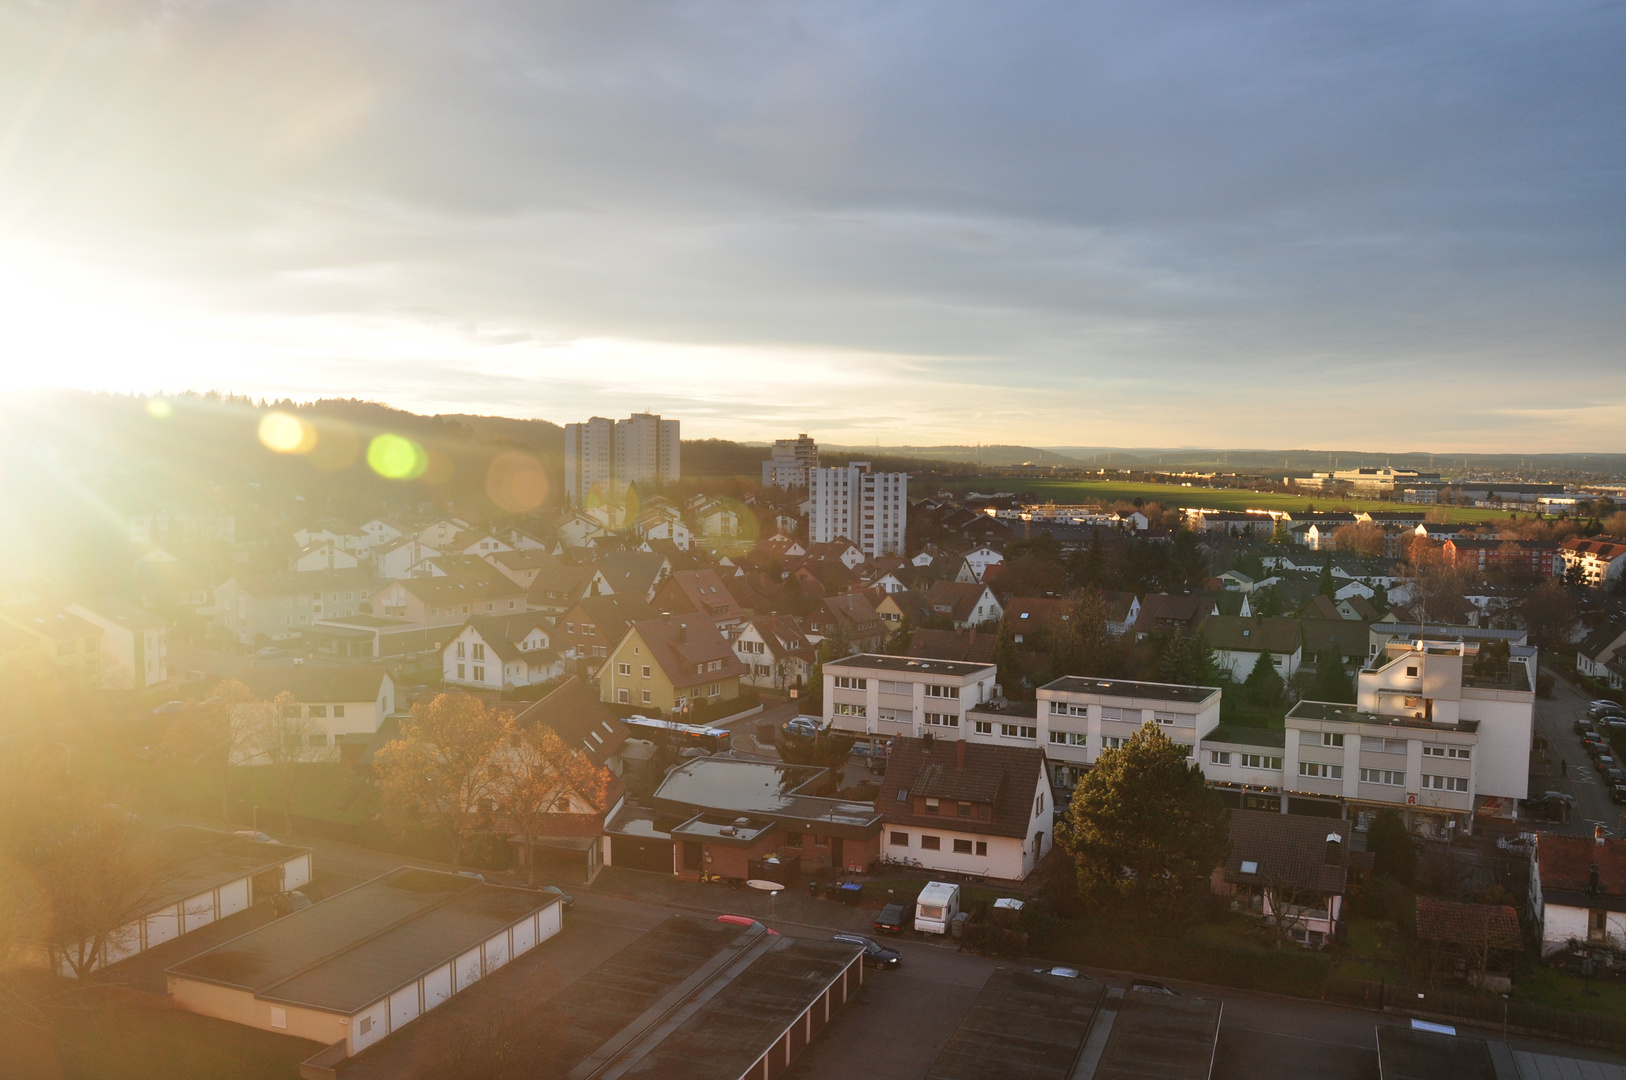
1555, 720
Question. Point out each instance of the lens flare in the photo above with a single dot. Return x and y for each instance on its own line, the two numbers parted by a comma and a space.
516, 482
396, 457
159, 408
286, 434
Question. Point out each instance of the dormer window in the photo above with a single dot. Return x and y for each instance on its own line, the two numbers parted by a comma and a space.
932, 806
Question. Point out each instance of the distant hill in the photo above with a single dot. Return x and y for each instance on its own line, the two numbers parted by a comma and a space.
997, 455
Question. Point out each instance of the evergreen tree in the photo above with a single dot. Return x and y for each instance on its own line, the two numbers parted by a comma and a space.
1263, 686
898, 643
1329, 588
1280, 535
1008, 663
1188, 563
1332, 682
1095, 563
1393, 853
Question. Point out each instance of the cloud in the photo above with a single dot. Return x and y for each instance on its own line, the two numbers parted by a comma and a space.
1341, 225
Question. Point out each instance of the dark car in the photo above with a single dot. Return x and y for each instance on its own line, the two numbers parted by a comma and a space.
891, 920
1583, 726
1618, 793
565, 899
1614, 775
875, 954
802, 726
1602, 710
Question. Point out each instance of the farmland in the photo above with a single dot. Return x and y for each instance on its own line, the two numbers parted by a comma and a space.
1172, 495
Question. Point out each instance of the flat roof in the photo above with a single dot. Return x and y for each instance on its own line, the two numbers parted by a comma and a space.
1078, 684
1161, 1037
762, 788
193, 860
1242, 735
352, 949
1007, 708
958, 669
1348, 714
721, 829
1024, 1025
1405, 1054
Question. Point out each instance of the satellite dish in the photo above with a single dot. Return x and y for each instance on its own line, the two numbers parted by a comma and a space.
765, 885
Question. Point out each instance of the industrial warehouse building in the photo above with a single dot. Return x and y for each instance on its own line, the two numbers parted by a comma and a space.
359, 965
201, 875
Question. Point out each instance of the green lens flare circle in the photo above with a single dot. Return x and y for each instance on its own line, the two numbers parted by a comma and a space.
396, 457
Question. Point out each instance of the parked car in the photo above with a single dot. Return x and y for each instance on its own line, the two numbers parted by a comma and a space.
169, 707
801, 725
1605, 762
891, 920
745, 920
875, 954
1600, 710
1058, 972
1583, 725
1145, 987
1519, 844
565, 899
1618, 793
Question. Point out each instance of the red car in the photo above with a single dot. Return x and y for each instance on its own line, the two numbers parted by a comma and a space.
744, 920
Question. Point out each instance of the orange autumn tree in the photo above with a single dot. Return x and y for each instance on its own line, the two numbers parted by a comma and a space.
537, 773
443, 769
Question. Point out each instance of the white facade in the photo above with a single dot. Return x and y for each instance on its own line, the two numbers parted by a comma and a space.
894, 695
1078, 719
611, 454
1012, 858
472, 661
351, 720
792, 462
324, 555
868, 508
397, 560
134, 644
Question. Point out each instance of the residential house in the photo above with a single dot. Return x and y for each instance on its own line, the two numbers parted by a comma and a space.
354, 540
1599, 561
477, 542
555, 588
1539, 558
442, 533
976, 561
840, 549
822, 574
1293, 871
966, 646
775, 651
885, 696
395, 558
579, 528
631, 573
717, 520
1075, 720
1034, 617
967, 808
522, 565
849, 617
894, 607
1578, 896
1349, 637
1480, 942
348, 702
699, 592
381, 531
275, 607
501, 652
134, 643
449, 600
664, 524
69, 642
1163, 613
449, 564
964, 604
593, 625
323, 555
1238, 642
1602, 655
670, 665
1123, 609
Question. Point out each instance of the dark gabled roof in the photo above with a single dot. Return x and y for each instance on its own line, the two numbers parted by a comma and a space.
307, 683
559, 583
681, 645
292, 582
957, 599
580, 718
483, 584
853, 609
524, 559
700, 591
1031, 612
782, 635
1004, 776
1237, 633
1288, 850
1565, 864
1601, 641
1160, 610
632, 571
969, 646
1350, 636
1118, 605
1492, 925
612, 616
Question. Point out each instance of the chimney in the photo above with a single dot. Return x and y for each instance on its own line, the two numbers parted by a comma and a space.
1592, 881
1597, 835
1335, 849
926, 743
959, 761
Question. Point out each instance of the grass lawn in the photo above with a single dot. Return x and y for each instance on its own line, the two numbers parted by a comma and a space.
1172, 495
330, 792
121, 1035
1541, 985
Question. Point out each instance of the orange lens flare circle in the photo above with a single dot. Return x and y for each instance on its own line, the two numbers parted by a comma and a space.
516, 482
286, 433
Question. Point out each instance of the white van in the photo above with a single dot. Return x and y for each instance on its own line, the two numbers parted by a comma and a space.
936, 907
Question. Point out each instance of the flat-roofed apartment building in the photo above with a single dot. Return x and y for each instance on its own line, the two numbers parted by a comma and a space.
1076, 719
874, 694
1432, 734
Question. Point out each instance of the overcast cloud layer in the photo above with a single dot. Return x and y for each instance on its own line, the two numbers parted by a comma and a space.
1219, 223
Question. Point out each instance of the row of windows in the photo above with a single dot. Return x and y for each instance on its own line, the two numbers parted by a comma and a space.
942, 719
479, 673
1391, 777
1246, 761
935, 843
1448, 751
1322, 770
843, 709
844, 682
1445, 783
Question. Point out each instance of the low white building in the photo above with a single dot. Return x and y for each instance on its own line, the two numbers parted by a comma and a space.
134, 643
1238, 641
1578, 895
366, 962
874, 694
348, 702
201, 875
501, 652
960, 807
323, 555
1074, 720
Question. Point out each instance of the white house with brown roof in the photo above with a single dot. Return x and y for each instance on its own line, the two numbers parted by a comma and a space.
1238, 641
349, 702
1599, 560
966, 808
396, 558
501, 652
776, 652
964, 604
450, 599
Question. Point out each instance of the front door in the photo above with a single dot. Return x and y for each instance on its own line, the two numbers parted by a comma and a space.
836, 859
691, 855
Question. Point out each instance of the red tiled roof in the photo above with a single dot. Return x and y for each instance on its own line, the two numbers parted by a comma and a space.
1287, 850
1565, 864
1493, 925
1005, 776
969, 646
683, 644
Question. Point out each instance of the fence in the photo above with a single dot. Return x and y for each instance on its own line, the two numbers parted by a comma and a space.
1485, 1010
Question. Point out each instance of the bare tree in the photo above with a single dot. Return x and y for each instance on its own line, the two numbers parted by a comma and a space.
209, 733
537, 774
1287, 906
441, 771
279, 736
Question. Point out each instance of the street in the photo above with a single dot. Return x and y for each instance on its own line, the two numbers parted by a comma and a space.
1555, 722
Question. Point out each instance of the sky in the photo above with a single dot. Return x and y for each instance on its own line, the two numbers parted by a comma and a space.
1387, 224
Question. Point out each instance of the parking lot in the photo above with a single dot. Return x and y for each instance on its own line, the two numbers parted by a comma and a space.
1555, 722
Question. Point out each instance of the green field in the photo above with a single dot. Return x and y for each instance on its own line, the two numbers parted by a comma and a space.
1172, 495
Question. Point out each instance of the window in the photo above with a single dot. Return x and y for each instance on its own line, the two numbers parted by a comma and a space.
846, 683
933, 806
1325, 772
1260, 761
943, 691
899, 839
1112, 742
714, 689
623, 696
460, 650
460, 672
1219, 757
1059, 738
850, 710
962, 847
479, 673
1411, 671
570, 628
1126, 716
1462, 752
366, 1024
963, 809
942, 719
1332, 738
623, 669
1383, 776
982, 847
984, 727
1038, 803
1185, 748
1384, 746
646, 696
319, 710
895, 687
1061, 708
646, 671
1018, 731
1165, 719
931, 843
338, 712
1445, 783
